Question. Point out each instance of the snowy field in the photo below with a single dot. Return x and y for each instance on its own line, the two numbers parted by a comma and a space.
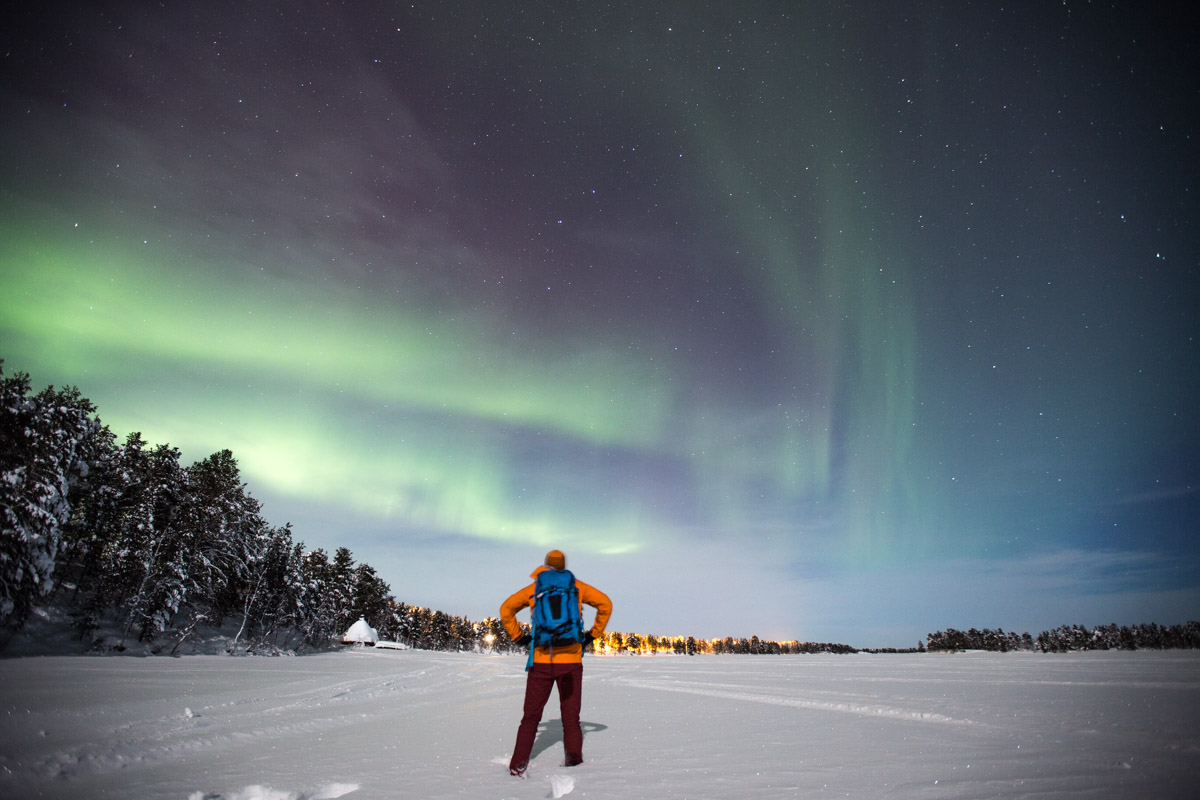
410, 724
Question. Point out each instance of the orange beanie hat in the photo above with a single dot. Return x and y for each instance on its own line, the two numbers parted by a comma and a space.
556, 560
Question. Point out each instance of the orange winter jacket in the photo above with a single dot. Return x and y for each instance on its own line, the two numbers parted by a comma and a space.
564, 654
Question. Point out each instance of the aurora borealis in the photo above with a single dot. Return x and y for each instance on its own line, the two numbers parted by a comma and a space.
829, 321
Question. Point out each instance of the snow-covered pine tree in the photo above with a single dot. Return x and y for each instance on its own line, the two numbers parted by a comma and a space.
270, 602
371, 595
318, 617
146, 561
219, 526
339, 598
400, 626
101, 567
96, 511
440, 632
47, 443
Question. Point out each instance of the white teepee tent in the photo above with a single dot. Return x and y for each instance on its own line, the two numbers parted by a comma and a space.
360, 632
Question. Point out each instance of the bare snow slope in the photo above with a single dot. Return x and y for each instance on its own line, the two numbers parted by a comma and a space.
413, 724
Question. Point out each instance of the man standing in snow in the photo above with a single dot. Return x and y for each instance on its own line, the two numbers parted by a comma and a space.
560, 665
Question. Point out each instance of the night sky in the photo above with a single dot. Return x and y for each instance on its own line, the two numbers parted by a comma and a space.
821, 321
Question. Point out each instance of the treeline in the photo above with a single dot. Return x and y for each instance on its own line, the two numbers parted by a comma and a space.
435, 630
640, 644
1068, 638
134, 546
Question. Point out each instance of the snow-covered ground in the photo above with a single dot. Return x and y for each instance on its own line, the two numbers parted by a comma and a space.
411, 724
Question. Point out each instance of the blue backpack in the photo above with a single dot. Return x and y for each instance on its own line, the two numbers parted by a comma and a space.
556, 617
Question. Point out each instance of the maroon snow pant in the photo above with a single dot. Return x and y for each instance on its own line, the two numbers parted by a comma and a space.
540, 679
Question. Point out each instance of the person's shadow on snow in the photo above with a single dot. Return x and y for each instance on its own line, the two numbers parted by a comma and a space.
550, 734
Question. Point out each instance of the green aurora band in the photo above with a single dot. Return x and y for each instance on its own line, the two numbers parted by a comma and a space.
293, 360
842, 312
443, 418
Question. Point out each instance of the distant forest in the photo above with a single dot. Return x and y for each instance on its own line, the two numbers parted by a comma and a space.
1071, 637
131, 547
